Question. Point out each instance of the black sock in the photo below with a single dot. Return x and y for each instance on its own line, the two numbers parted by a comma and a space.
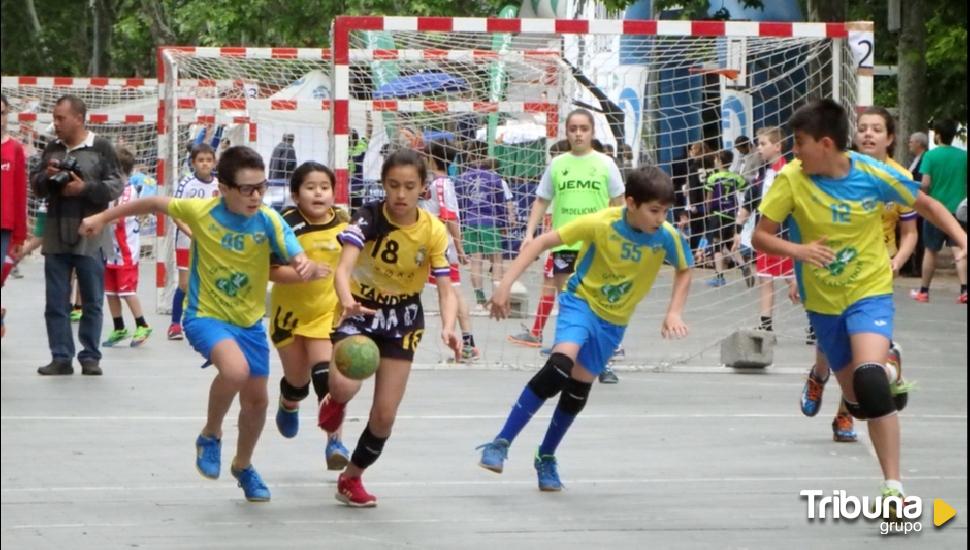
141, 322
765, 323
369, 447
76, 306
119, 323
963, 289
924, 289
468, 339
480, 296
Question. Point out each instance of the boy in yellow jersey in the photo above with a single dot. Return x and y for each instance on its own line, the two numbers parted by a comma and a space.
302, 313
831, 201
875, 136
622, 251
389, 249
232, 238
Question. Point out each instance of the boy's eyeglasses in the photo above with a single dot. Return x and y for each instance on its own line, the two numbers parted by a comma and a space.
249, 190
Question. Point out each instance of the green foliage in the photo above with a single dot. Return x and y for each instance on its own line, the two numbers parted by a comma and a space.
946, 60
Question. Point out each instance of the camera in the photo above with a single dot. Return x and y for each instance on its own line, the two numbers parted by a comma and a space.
66, 166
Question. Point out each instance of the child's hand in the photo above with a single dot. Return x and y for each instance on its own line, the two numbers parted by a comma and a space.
961, 254
674, 327
896, 264
499, 305
816, 253
322, 272
91, 226
303, 266
793, 293
354, 309
453, 342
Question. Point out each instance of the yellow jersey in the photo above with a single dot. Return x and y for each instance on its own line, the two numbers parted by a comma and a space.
617, 265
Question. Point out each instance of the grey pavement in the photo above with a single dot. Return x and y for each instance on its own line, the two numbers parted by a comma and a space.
682, 453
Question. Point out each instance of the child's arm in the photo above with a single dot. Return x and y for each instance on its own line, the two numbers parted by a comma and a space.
182, 227
766, 240
448, 304
908, 236
455, 231
674, 325
94, 224
341, 283
938, 215
285, 274
500, 298
539, 207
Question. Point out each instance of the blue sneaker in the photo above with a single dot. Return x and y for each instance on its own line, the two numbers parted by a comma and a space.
548, 473
252, 485
811, 400
494, 455
287, 421
545, 352
337, 455
208, 456
716, 282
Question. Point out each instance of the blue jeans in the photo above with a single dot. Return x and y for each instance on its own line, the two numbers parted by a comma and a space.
5, 236
57, 313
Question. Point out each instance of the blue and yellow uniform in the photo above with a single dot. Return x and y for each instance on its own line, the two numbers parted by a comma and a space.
615, 268
228, 273
853, 294
308, 309
391, 271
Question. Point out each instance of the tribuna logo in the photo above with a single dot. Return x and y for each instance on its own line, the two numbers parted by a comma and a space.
843, 506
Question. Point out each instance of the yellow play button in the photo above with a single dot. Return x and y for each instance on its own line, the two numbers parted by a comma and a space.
942, 512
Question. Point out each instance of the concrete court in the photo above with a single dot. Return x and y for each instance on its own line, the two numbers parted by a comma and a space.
681, 454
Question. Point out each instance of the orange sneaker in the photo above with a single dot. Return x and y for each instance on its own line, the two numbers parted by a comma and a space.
843, 429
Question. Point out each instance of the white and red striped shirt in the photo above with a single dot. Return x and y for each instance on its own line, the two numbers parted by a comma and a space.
125, 235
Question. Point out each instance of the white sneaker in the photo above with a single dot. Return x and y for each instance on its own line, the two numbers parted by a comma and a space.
480, 310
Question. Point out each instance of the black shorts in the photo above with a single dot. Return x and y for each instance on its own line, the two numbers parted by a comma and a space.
934, 238
564, 262
396, 329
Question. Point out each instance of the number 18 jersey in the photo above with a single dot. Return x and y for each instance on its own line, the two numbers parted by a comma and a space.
395, 261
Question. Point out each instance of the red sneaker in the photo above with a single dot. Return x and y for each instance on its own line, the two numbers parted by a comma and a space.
350, 491
330, 415
175, 331
962, 299
923, 297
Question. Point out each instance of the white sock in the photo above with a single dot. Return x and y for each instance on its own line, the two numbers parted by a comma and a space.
891, 372
894, 484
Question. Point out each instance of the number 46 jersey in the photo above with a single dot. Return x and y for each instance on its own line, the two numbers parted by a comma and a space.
395, 261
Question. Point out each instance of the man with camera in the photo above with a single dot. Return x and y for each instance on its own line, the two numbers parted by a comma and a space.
79, 176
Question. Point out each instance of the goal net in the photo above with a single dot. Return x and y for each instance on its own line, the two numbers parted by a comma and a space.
238, 96
122, 110
496, 92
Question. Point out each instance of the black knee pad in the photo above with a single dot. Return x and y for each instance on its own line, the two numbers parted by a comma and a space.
369, 448
871, 386
293, 393
574, 396
320, 376
552, 377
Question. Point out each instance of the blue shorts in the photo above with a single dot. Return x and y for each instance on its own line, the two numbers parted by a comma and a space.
597, 338
204, 333
872, 315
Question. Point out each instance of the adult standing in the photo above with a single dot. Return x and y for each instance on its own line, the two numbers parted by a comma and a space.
944, 171
282, 162
13, 190
78, 174
918, 145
